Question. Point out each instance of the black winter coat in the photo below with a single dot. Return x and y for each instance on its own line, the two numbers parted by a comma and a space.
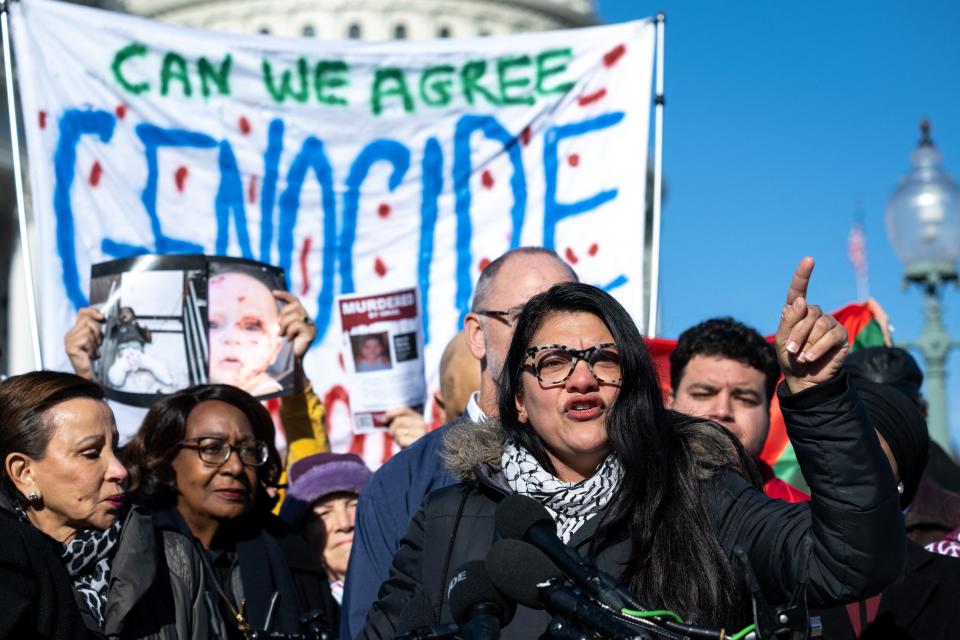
36, 595
854, 518
923, 606
273, 562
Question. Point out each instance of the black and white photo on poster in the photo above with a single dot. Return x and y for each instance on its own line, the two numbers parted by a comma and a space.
153, 333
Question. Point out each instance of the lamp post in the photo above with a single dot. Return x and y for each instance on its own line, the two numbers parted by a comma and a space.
923, 223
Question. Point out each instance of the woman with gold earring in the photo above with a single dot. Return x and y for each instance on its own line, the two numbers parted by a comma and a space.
74, 561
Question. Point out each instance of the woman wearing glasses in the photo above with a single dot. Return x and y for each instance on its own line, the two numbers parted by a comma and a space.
204, 457
657, 499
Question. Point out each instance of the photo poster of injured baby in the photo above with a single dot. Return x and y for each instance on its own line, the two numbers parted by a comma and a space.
383, 355
173, 321
154, 337
246, 348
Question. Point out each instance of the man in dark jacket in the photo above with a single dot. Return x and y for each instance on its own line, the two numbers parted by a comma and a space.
394, 494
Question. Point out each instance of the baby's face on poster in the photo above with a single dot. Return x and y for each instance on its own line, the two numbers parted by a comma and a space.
244, 330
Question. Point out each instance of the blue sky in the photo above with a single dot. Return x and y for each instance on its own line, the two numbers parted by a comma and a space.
781, 120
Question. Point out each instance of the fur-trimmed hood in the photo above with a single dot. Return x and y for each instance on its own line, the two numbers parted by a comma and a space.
471, 446
467, 445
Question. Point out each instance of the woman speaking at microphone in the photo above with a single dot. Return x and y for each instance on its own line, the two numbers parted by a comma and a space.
658, 499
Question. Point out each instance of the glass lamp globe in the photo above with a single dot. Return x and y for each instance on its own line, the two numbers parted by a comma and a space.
923, 214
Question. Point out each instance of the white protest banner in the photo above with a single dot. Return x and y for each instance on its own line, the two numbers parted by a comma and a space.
356, 167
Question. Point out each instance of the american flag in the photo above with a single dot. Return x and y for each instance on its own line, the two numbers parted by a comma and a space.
857, 254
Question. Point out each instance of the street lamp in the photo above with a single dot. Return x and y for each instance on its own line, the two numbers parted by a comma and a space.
923, 223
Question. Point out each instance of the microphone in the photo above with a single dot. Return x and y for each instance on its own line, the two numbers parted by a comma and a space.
476, 604
526, 575
523, 518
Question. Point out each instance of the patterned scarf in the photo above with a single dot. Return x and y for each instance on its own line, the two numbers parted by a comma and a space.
87, 559
570, 503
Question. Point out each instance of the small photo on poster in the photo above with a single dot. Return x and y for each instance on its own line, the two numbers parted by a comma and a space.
370, 352
246, 348
153, 328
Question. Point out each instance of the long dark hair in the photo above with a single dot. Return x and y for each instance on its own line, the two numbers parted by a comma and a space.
24, 400
676, 560
150, 453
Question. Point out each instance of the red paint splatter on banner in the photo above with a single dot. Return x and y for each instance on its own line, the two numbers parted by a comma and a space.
525, 136
96, 172
487, 179
483, 264
273, 408
613, 56
573, 159
593, 249
180, 177
252, 190
244, 125
383, 210
42, 119
304, 273
380, 267
590, 98
357, 443
389, 448
121, 111
571, 256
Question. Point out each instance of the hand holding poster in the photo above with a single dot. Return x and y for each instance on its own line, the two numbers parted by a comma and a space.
383, 343
352, 166
175, 321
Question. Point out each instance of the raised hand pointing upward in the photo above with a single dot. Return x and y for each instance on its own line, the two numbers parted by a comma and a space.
811, 346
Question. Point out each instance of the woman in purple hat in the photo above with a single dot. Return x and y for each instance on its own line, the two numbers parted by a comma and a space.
322, 502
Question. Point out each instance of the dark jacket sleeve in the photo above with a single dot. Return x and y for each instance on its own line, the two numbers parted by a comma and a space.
369, 558
402, 594
384, 511
853, 519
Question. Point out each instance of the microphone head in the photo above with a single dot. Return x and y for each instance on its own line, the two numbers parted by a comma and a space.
472, 586
516, 568
516, 514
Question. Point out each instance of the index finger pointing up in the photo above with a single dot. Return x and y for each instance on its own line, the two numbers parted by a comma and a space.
800, 281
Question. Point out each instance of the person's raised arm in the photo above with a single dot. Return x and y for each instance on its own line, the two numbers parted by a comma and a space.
853, 519
302, 411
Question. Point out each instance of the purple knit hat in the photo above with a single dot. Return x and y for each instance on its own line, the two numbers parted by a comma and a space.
320, 475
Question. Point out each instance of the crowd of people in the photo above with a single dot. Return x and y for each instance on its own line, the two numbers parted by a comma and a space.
198, 527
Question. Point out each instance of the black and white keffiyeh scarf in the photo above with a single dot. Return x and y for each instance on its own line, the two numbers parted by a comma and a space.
570, 503
87, 559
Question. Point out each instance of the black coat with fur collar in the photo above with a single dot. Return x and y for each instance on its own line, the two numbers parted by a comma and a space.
854, 518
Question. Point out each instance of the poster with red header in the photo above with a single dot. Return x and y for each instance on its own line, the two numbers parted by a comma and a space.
382, 355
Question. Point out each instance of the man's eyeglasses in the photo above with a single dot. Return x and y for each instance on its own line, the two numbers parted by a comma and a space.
554, 363
216, 451
508, 317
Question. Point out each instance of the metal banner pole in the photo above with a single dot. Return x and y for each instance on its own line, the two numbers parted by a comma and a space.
653, 313
18, 182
